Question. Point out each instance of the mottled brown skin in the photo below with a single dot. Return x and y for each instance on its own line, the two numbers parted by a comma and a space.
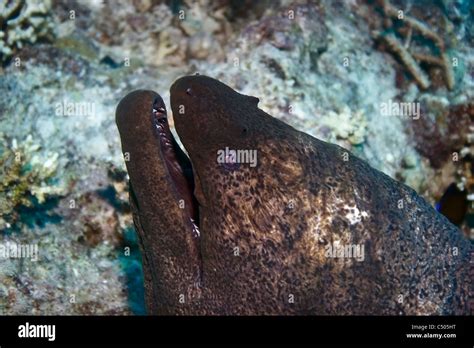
264, 229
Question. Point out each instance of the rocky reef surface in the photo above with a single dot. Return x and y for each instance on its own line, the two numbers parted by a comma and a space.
335, 69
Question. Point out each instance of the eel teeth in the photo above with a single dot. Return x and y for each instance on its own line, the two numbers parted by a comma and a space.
196, 231
159, 110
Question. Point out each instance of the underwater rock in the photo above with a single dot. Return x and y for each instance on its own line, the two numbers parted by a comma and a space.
442, 129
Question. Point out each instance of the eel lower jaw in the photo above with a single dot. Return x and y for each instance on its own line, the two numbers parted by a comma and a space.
179, 168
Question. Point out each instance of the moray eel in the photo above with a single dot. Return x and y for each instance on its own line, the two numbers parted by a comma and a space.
302, 227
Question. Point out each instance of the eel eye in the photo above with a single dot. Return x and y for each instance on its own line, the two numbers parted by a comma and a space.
189, 92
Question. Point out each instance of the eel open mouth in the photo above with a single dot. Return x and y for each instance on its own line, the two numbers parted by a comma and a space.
178, 164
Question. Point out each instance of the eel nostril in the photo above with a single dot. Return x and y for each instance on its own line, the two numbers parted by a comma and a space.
189, 91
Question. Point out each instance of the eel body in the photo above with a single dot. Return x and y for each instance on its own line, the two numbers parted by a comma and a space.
264, 219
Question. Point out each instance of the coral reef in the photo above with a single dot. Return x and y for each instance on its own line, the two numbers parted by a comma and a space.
23, 22
345, 125
25, 178
67, 201
398, 48
158, 34
414, 33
